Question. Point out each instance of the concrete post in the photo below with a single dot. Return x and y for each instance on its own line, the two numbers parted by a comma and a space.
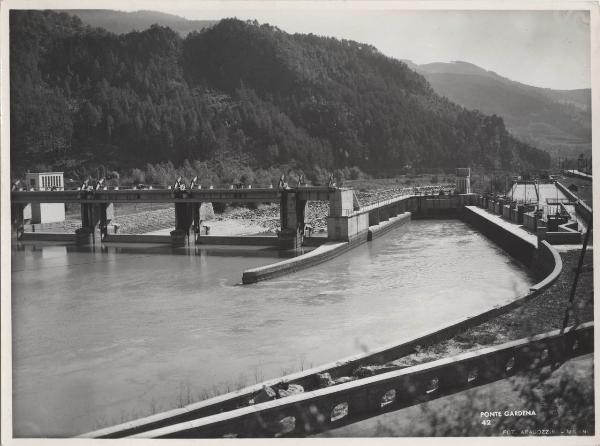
374, 217
106, 211
18, 219
183, 221
196, 216
92, 214
383, 213
291, 216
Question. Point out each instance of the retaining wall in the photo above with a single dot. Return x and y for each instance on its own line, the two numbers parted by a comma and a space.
530, 221
137, 238
335, 406
237, 240
385, 226
444, 206
319, 255
563, 237
48, 237
314, 241
518, 247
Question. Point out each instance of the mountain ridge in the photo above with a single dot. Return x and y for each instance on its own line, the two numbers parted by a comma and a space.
558, 121
122, 22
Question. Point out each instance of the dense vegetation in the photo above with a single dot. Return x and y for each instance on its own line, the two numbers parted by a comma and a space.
83, 97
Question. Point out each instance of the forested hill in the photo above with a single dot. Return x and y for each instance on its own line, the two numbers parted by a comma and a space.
559, 121
81, 97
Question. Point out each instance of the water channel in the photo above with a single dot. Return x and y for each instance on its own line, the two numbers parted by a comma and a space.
106, 335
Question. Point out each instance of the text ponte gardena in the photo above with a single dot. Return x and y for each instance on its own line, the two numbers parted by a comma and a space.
507, 413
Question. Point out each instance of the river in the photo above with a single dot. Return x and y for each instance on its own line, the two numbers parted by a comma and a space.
106, 335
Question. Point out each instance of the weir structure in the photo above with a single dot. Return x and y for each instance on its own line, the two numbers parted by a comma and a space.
347, 221
97, 207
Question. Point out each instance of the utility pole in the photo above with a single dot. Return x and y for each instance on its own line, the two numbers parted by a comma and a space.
569, 308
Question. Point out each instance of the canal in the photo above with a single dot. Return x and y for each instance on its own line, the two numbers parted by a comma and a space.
106, 335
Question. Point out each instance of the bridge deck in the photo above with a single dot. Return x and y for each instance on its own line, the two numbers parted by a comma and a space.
167, 195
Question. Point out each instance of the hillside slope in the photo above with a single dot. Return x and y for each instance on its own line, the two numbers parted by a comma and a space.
558, 121
81, 97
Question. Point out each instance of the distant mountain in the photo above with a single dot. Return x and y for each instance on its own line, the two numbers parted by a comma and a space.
83, 97
120, 22
558, 121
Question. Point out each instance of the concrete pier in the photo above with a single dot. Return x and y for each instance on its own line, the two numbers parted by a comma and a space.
95, 218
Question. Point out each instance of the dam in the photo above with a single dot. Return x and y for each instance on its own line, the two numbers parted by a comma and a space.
175, 325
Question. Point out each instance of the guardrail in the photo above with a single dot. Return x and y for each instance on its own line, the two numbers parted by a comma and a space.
581, 206
307, 413
404, 193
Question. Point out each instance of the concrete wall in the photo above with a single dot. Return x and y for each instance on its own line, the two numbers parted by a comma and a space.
137, 238
312, 411
48, 237
319, 410
563, 238
47, 212
386, 226
513, 244
341, 202
547, 265
443, 206
318, 255
314, 241
530, 221
237, 240
348, 228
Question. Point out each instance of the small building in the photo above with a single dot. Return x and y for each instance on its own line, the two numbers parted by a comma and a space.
463, 180
45, 180
45, 212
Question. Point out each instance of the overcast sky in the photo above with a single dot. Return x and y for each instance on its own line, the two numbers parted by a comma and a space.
541, 48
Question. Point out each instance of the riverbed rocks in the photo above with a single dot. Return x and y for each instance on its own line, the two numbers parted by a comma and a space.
265, 394
325, 379
285, 390
365, 371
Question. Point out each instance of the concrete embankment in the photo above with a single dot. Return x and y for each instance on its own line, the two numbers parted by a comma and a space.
325, 251
253, 240
513, 239
385, 226
48, 237
137, 238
